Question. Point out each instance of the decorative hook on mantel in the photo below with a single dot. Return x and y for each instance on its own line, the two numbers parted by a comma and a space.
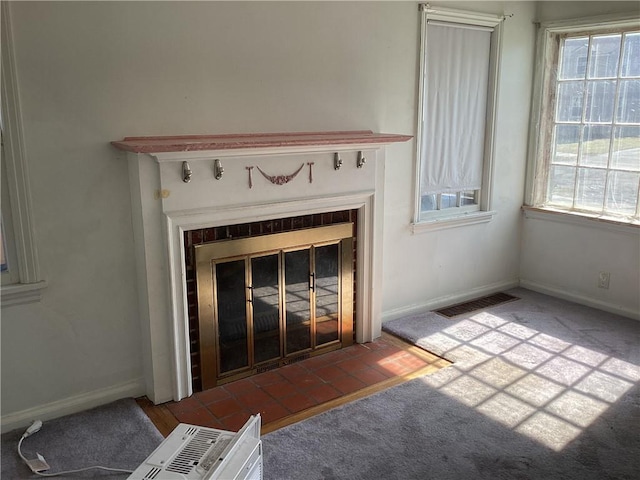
186, 172
311, 164
337, 161
217, 169
361, 160
249, 169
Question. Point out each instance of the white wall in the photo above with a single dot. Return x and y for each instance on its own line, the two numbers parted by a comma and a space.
565, 259
550, 10
432, 269
92, 72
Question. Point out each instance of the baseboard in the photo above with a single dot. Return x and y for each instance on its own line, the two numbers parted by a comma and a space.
447, 300
581, 299
74, 404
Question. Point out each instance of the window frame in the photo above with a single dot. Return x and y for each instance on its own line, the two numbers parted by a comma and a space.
11, 275
549, 38
24, 283
471, 214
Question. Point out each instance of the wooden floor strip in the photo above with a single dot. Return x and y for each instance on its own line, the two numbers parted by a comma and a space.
160, 415
365, 392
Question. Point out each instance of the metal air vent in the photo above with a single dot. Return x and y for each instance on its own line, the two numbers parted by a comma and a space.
477, 304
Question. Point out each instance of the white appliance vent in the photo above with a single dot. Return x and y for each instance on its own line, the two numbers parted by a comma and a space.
193, 452
152, 474
256, 473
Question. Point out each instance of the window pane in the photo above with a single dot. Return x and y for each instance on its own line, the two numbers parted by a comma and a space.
631, 55
590, 189
596, 140
605, 52
566, 141
448, 200
594, 154
573, 64
570, 96
600, 98
428, 202
468, 198
561, 185
629, 101
622, 192
626, 148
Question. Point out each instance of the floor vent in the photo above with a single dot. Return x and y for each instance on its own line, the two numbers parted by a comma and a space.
281, 363
268, 367
299, 358
477, 304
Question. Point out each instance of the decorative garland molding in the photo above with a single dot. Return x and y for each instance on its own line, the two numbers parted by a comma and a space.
280, 179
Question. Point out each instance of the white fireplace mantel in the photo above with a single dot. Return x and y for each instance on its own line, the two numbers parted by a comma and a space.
164, 206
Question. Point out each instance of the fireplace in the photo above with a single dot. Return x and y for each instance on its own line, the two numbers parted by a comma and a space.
266, 294
212, 183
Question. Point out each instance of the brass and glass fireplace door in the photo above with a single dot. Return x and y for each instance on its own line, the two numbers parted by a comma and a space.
271, 300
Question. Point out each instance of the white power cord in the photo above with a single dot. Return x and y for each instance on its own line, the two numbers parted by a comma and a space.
38, 465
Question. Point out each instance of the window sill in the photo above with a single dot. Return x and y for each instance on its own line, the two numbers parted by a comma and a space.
21, 293
452, 222
583, 219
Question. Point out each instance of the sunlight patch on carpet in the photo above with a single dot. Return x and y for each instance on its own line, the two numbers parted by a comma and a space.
538, 385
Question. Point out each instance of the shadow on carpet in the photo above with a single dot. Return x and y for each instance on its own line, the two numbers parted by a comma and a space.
540, 389
116, 435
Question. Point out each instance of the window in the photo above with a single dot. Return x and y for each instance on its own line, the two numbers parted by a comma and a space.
459, 56
21, 281
588, 152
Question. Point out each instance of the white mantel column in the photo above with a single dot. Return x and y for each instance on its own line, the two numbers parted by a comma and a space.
153, 277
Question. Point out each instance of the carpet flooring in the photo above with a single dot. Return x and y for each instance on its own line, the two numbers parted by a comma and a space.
541, 388
116, 435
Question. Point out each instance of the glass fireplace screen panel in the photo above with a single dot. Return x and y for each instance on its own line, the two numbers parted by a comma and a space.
327, 263
232, 315
297, 300
266, 308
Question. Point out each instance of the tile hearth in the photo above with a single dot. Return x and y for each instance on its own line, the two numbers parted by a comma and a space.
294, 392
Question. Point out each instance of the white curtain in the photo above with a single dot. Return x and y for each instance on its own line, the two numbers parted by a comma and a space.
455, 99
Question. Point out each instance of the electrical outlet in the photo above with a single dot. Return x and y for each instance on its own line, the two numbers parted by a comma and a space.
603, 279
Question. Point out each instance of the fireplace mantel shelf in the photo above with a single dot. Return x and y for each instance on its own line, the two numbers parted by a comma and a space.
189, 143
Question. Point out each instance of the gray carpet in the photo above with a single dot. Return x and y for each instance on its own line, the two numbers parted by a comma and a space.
540, 389
115, 435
